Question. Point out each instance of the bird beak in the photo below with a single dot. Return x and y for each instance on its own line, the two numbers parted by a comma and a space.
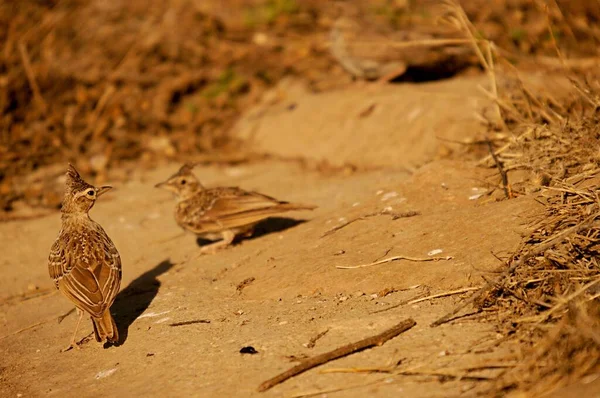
102, 190
160, 185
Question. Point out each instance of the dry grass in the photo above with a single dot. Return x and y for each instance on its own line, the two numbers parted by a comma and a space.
547, 147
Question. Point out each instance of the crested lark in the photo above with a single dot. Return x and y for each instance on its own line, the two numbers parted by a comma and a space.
84, 262
220, 213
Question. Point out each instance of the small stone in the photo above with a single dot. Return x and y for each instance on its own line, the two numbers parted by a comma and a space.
260, 39
248, 350
388, 196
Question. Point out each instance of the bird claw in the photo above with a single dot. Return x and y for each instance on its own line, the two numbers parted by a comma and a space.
210, 249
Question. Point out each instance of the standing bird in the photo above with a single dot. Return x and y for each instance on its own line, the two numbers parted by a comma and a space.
84, 263
220, 213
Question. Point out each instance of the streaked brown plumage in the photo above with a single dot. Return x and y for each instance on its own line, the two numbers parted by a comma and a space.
220, 213
84, 263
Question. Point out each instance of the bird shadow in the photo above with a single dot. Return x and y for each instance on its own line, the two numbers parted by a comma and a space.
267, 226
132, 301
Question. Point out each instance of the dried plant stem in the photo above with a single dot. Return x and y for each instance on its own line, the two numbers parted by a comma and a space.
337, 389
40, 323
444, 294
486, 60
394, 258
505, 146
31, 77
345, 224
563, 301
338, 353
501, 171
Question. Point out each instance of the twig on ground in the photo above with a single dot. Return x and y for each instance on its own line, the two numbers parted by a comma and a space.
377, 369
49, 319
31, 295
456, 373
337, 389
400, 304
501, 170
244, 284
394, 258
414, 372
395, 216
446, 373
346, 223
313, 340
445, 294
339, 353
192, 322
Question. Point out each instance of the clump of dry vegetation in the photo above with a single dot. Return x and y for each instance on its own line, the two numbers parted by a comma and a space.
548, 292
550, 289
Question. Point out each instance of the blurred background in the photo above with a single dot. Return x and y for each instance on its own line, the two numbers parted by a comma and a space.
115, 86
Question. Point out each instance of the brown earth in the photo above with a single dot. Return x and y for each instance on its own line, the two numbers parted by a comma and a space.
296, 291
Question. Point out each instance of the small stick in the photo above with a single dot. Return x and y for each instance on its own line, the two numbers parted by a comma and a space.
403, 302
445, 373
454, 373
394, 258
395, 216
345, 224
31, 77
313, 340
338, 389
384, 369
37, 294
30, 327
417, 43
338, 353
500, 170
192, 322
445, 294
243, 284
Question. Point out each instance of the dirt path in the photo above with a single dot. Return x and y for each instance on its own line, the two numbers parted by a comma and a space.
295, 293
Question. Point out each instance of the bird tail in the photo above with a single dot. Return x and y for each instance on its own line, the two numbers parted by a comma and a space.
105, 328
285, 206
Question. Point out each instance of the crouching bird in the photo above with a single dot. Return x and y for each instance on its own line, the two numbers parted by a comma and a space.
220, 213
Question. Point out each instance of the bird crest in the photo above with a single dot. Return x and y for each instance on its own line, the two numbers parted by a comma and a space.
74, 181
186, 169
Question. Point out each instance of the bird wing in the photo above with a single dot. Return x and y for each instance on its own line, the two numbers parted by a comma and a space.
87, 271
233, 208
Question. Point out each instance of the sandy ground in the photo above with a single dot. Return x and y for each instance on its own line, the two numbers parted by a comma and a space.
296, 293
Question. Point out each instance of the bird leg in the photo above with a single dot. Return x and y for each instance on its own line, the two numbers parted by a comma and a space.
73, 342
228, 237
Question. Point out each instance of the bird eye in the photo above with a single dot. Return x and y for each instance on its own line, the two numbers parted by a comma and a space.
90, 192
183, 182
